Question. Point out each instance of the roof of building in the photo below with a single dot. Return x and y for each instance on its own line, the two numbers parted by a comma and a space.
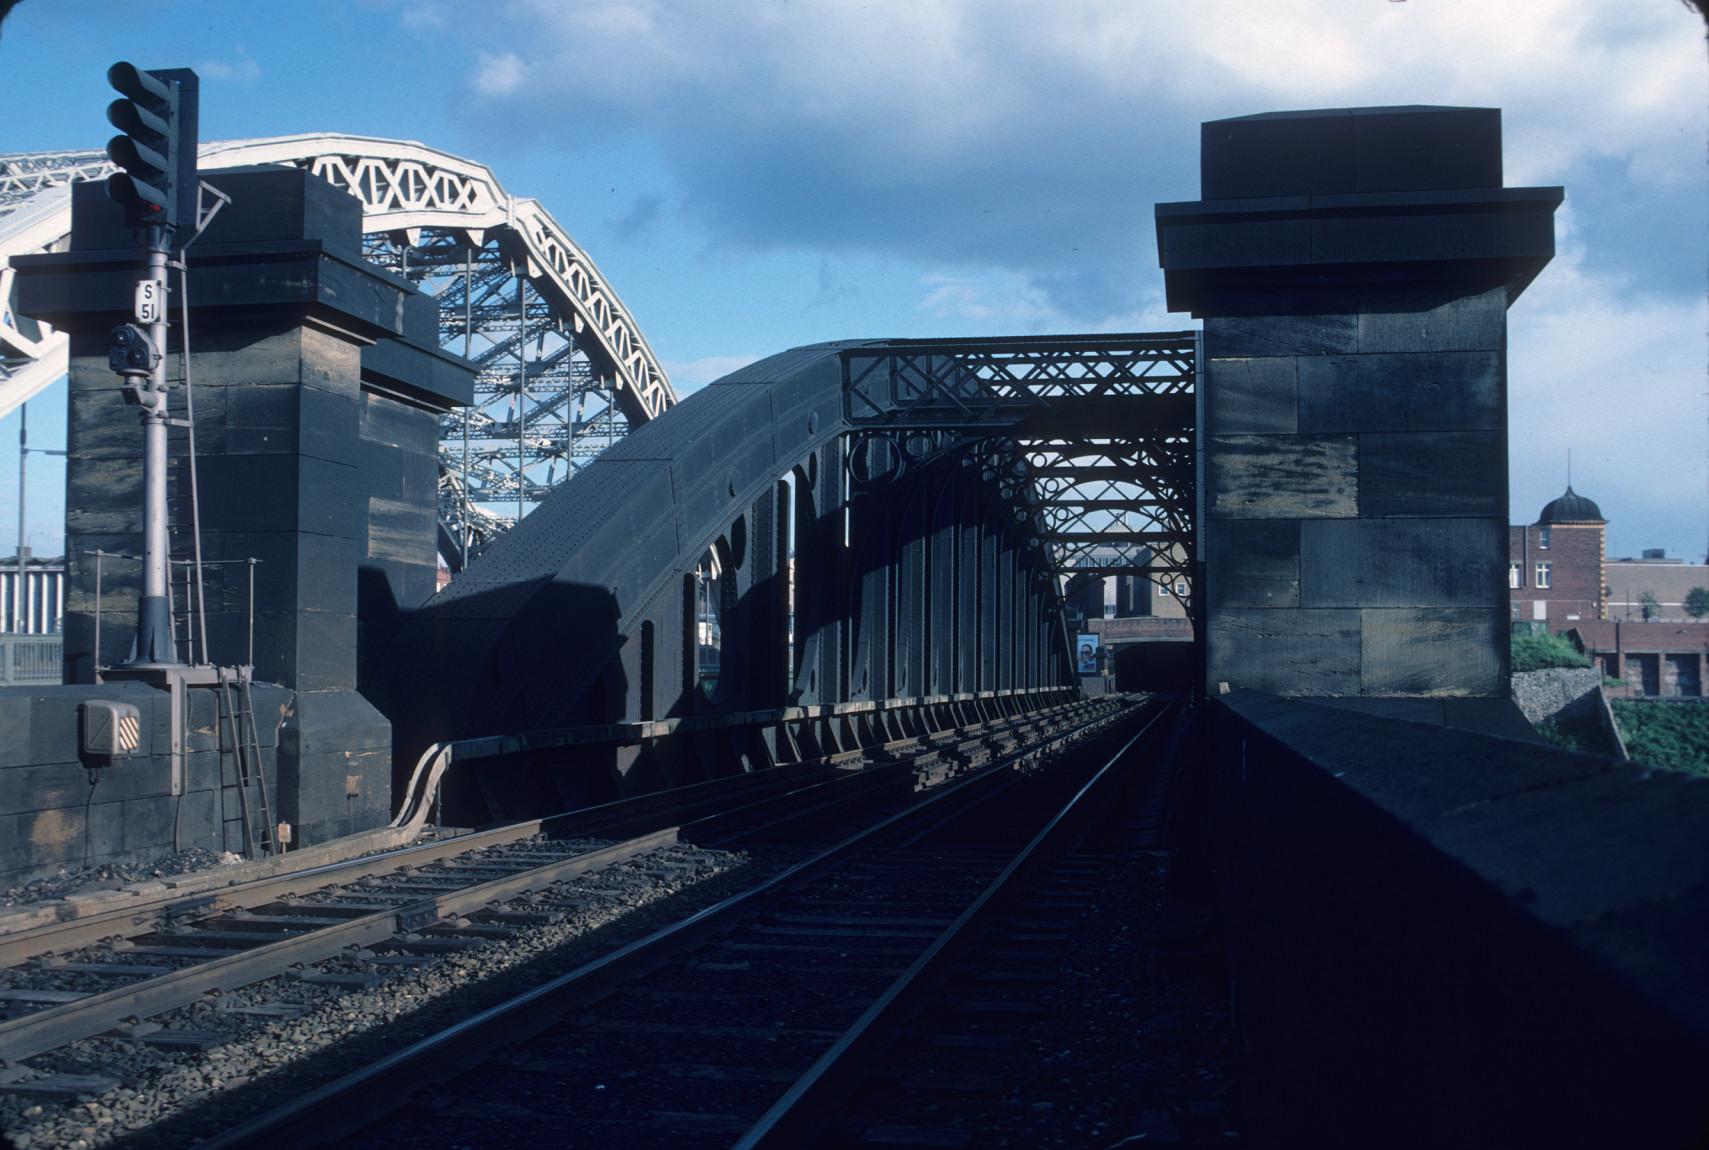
1641, 638
1571, 508
1669, 583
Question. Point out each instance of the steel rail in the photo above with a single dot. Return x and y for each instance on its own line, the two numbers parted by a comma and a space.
803, 1111
334, 1111
50, 1029
666, 807
134, 916
54, 1027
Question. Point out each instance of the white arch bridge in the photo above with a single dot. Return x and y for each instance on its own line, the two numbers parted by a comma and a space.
565, 370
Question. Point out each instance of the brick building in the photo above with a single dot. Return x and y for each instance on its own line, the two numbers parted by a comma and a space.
1651, 587
1560, 579
1555, 575
1668, 660
1126, 609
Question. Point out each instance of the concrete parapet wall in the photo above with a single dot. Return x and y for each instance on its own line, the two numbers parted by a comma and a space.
1441, 938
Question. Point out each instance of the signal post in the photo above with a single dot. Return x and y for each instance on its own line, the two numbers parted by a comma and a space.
156, 185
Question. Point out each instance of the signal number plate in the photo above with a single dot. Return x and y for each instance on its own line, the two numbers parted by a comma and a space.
150, 301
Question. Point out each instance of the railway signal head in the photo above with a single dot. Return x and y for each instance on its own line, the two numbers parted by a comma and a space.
156, 153
133, 355
130, 352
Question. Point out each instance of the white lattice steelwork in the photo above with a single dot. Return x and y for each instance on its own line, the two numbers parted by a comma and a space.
23, 175
564, 368
32, 355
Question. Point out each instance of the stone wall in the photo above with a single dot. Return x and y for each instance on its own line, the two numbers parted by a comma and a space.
1545, 694
60, 809
1440, 938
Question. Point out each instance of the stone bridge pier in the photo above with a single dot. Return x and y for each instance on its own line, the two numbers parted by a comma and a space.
1353, 268
319, 382
1436, 935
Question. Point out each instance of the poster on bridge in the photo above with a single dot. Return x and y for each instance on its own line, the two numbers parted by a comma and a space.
1086, 660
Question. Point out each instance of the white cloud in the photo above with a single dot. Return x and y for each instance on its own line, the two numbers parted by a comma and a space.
1035, 137
500, 75
987, 300
691, 375
426, 16
991, 301
241, 67
1016, 150
1616, 374
1593, 78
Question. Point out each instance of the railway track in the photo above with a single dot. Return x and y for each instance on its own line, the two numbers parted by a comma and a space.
733, 1023
960, 1065
349, 925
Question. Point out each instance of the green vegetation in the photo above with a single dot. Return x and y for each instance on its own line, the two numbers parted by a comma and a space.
1665, 734
1697, 602
1536, 652
1568, 736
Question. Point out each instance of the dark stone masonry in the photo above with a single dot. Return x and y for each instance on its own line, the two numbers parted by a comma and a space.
1353, 269
318, 384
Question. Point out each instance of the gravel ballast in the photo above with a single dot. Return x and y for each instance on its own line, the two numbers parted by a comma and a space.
112, 876
279, 1037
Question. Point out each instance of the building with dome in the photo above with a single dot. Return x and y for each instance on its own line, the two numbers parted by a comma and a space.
1628, 615
1556, 573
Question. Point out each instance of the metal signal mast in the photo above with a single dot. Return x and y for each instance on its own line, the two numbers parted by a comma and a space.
156, 184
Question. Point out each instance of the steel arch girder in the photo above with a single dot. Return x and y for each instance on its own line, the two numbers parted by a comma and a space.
405, 186
581, 616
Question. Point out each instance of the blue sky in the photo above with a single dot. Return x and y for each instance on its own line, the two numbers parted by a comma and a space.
759, 175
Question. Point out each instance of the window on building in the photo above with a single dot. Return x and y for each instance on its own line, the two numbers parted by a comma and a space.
1163, 590
1181, 589
1542, 575
1514, 582
1542, 538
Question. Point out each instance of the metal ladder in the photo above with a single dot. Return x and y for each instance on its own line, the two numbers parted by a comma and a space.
237, 717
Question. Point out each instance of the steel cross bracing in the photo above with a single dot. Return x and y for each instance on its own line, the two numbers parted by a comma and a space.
35, 215
1091, 437
23, 175
542, 410
565, 370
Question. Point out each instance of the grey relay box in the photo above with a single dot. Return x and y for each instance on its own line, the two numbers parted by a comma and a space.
110, 728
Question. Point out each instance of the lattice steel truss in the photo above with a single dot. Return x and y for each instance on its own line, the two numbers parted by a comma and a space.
565, 370
1091, 437
25, 174
542, 410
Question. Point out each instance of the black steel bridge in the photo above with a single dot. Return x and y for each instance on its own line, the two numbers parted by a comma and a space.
818, 542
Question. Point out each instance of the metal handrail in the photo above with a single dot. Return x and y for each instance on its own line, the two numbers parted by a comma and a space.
100, 556
421, 792
30, 659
